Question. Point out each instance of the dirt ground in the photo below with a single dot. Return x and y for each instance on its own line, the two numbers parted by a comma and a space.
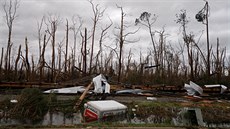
118, 128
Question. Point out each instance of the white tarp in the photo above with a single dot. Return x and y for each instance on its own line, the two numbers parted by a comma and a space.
101, 84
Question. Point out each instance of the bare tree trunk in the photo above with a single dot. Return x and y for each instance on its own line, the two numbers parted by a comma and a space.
85, 53
72, 62
219, 61
121, 42
74, 47
1, 61
16, 63
59, 58
66, 48
42, 59
196, 64
53, 59
28, 69
128, 64
32, 74
69, 65
75, 33
39, 25
9, 62
159, 59
21, 72
92, 47
191, 60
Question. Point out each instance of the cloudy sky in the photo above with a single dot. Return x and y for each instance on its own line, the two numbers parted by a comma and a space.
31, 11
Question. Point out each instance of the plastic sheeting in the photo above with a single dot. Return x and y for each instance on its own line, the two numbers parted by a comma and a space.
189, 89
193, 89
100, 84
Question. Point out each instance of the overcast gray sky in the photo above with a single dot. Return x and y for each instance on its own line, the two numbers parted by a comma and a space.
32, 11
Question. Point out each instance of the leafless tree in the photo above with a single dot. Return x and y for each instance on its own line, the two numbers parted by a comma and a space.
42, 61
84, 52
42, 43
181, 50
76, 29
147, 21
161, 51
40, 35
102, 38
98, 14
122, 38
219, 61
28, 67
33, 72
67, 41
16, 61
10, 9
227, 67
25, 62
60, 45
108, 63
129, 58
53, 22
188, 40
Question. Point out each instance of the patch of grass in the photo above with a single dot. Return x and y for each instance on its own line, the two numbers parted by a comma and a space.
31, 106
154, 112
159, 104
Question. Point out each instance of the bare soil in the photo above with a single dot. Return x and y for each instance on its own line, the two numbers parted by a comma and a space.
118, 128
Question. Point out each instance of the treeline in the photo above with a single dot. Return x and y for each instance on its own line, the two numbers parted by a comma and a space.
163, 64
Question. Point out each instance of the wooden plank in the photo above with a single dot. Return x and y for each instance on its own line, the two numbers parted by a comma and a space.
77, 105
